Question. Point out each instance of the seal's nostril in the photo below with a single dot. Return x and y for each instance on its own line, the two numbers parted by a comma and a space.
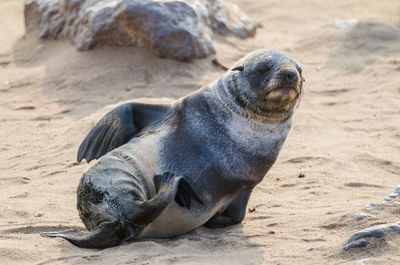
289, 74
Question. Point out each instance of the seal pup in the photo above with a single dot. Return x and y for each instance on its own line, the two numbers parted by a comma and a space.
166, 169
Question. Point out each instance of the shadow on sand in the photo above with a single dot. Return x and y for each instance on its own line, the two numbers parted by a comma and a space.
82, 82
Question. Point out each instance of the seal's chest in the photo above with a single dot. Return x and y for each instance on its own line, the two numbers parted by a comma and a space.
258, 138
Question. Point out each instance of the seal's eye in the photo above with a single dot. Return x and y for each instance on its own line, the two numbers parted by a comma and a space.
263, 71
238, 68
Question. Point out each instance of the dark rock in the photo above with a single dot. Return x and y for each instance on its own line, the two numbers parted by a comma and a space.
181, 30
361, 216
384, 212
359, 244
360, 238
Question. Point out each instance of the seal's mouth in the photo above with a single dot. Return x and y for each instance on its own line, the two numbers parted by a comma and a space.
283, 89
286, 82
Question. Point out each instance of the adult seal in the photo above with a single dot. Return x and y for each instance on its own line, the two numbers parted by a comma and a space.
166, 169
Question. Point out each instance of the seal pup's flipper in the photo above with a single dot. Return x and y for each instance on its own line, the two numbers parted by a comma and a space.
118, 126
107, 234
113, 233
168, 187
233, 214
185, 193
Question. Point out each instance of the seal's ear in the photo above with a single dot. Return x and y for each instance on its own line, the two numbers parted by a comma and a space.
238, 68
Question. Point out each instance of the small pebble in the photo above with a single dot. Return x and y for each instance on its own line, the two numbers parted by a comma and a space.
362, 216
371, 207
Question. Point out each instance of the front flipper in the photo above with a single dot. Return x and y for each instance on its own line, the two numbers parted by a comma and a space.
168, 187
233, 214
118, 126
107, 234
185, 193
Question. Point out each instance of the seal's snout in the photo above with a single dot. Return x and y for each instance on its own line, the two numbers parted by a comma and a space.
287, 79
289, 75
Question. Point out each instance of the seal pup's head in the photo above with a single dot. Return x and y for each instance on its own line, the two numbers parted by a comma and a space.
264, 85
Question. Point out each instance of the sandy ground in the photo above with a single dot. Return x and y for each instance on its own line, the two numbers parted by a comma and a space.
345, 139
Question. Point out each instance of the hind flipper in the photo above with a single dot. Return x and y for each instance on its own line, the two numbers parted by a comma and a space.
168, 186
107, 234
118, 126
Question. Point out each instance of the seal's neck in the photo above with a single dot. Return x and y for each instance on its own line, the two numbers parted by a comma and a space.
227, 91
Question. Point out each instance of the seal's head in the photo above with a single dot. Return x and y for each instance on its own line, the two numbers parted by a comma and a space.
265, 84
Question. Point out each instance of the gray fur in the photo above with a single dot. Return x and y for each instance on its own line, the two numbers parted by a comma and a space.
221, 140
